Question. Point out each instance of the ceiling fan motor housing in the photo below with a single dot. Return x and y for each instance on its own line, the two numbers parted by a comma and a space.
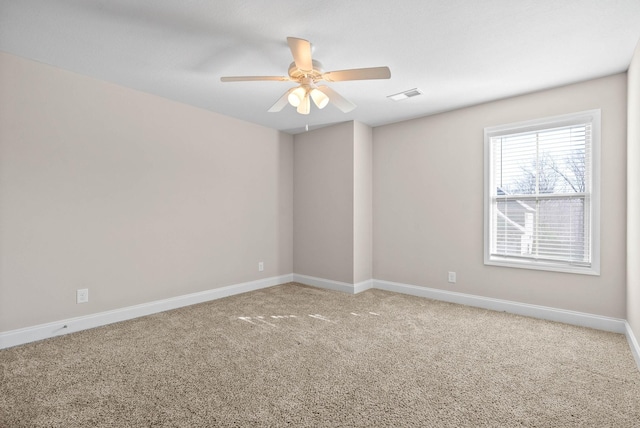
297, 74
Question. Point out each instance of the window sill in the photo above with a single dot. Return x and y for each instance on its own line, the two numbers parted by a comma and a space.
539, 265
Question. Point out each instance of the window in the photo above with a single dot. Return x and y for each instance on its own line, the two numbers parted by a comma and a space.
542, 194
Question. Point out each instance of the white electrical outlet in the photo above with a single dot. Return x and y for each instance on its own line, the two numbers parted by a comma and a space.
452, 277
260, 266
82, 295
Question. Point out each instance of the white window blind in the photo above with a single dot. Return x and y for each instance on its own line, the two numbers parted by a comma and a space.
539, 202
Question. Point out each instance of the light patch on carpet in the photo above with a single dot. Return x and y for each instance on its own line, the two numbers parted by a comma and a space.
321, 317
261, 318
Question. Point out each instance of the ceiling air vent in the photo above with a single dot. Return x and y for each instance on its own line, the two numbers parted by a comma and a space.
406, 94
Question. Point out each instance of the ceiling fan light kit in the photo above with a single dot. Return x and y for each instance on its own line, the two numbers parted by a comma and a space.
299, 97
307, 72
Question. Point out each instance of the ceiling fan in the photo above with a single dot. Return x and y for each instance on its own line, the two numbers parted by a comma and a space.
307, 72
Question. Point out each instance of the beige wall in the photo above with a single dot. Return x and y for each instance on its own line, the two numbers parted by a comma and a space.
139, 198
323, 203
130, 195
633, 196
428, 202
362, 202
332, 203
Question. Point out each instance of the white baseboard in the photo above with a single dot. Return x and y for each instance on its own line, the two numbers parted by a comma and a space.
57, 328
633, 343
363, 286
329, 284
543, 312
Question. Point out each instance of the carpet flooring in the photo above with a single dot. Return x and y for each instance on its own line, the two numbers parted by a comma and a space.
299, 356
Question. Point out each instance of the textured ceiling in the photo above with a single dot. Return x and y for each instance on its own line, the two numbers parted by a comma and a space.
458, 52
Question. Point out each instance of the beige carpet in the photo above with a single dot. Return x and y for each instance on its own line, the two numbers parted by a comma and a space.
298, 356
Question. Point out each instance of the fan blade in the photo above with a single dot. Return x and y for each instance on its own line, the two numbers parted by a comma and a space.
282, 102
301, 51
338, 100
253, 78
357, 74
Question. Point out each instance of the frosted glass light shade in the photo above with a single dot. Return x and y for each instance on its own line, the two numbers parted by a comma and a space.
305, 105
319, 98
296, 96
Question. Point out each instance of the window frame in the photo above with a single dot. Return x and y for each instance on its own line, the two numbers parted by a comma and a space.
592, 116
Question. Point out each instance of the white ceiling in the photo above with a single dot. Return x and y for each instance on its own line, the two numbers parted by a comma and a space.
458, 52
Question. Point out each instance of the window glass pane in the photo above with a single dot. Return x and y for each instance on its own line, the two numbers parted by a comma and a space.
515, 168
542, 229
563, 154
548, 161
514, 228
561, 230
